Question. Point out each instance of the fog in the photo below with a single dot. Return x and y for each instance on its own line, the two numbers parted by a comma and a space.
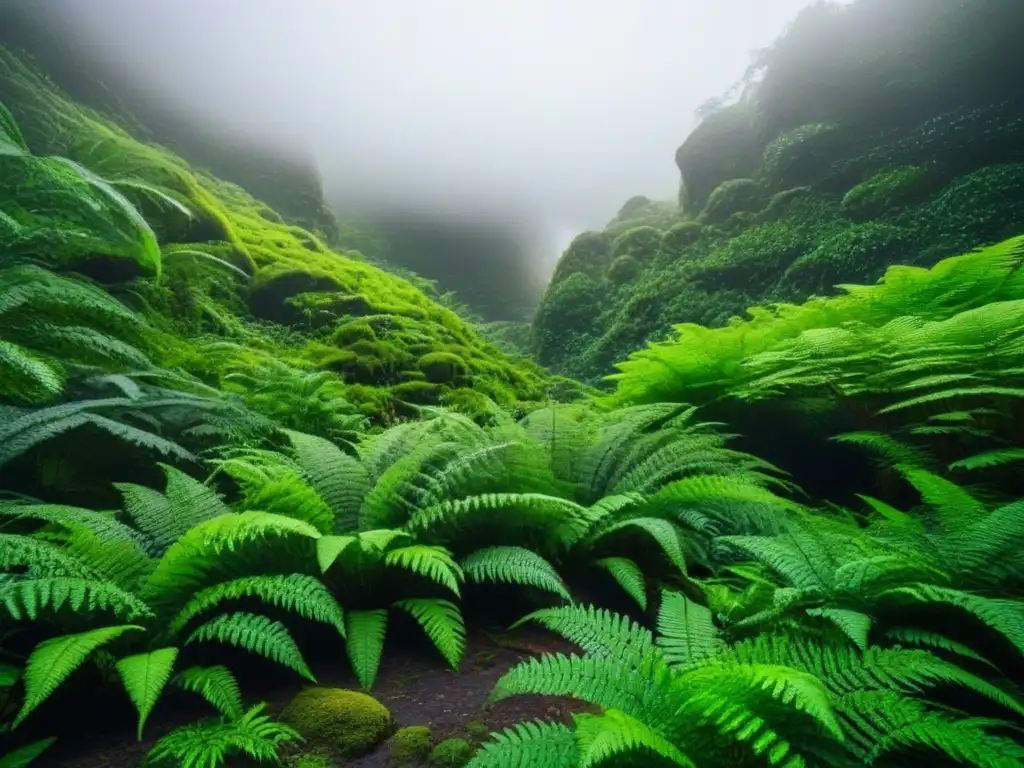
550, 113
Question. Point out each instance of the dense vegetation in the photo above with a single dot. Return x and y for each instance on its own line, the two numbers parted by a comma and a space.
226, 446
870, 134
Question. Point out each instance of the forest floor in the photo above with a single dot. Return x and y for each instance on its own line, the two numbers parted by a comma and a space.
417, 687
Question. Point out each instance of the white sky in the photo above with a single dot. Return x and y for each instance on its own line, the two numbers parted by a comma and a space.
558, 110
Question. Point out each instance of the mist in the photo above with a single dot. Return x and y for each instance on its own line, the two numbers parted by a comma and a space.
543, 115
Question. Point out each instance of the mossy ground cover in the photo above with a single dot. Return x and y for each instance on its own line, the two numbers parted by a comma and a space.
226, 267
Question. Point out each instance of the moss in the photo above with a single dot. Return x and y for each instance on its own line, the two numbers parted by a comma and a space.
409, 746
623, 269
451, 753
477, 730
442, 367
898, 186
779, 204
274, 285
732, 197
589, 253
350, 721
803, 155
682, 235
352, 331
568, 307
369, 362
639, 242
312, 760
418, 392
634, 207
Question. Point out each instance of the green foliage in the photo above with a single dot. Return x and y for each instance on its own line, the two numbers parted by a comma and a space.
451, 753
887, 189
623, 269
731, 197
681, 235
253, 734
409, 745
349, 721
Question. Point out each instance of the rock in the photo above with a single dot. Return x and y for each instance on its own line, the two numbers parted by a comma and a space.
451, 753
409, 746
350, 721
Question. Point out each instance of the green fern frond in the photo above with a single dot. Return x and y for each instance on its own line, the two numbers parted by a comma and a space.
559, 511
25, 599
296, 592
514, 565
627, 575
597, 631
103, 525
686, 632
209, 744
215, 684
915, 636
612, 734
23, 756
257, 634
144, 676
665, 535
338, 478
53, 660
40, 558
989, 459
529, 745
854, 624
442, 622
364, 642
330, 548
434, 562
27, 377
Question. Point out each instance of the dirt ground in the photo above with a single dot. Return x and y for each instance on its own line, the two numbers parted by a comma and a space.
418, 689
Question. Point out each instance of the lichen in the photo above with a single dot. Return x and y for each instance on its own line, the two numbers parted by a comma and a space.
350, 721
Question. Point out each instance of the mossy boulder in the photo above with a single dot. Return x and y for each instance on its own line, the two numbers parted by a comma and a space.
858, 254
451, 753
897, 186
589, 253
639, 242
442, 367
353, 331
409, 746
681, 235
570, 306
623, 269
732, 197
273, 286
353, 723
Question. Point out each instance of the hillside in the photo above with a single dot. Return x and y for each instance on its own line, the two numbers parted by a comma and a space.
864, 137
231, 268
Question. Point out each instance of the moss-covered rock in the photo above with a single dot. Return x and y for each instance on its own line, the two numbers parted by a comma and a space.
409, 746
311, 760
803, 155
857, 254
681, 235
731, 197
442, 367
451, 753
897, 186
589, 253
568, 307
639, 242
477, 730
274, 285
353, 723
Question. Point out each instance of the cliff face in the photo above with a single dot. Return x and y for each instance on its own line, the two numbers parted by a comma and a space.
870, 134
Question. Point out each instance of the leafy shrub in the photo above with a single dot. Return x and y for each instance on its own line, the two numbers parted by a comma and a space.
569, 306
640, 242
801, 155
589, 253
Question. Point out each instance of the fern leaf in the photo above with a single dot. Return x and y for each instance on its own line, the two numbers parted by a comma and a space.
442, 622
23, 756
364, 641
529, 745
338, 478
330, 548
434, 562
299, 593
53, 660
989, 459
627, 575
664, 533
257, 634
144, 676
686, 632
854, 624
25, 599
514, 565
215, 684
614, 733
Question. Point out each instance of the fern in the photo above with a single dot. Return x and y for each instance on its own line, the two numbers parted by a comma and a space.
442, 622
25, 599
209, 744
514, 565
52, 661
215, 684
257, 634
23, 756
144, 677
686, 632
529, 745
435, 563
364, 641
609, 735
